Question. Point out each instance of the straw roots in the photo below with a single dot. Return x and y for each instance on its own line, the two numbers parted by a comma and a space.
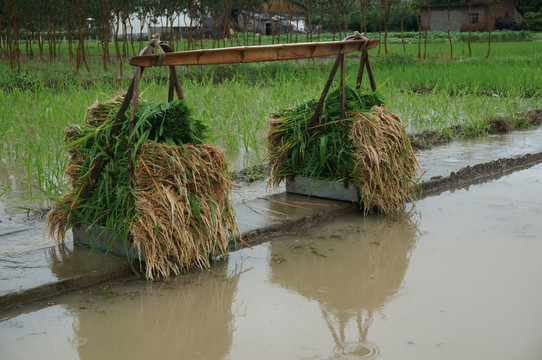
183, 210
386, 167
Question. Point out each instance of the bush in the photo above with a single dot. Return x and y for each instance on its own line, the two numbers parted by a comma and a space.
532, 20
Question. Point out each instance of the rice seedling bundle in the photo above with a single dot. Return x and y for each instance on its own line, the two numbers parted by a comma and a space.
369, 148
176, 211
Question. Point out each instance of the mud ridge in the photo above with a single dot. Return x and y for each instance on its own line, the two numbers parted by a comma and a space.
478, 173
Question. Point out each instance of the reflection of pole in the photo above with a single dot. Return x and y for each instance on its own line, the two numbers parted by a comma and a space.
363, 330
331, 329
339, 337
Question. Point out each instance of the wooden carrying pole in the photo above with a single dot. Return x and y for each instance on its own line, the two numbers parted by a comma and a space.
247, 54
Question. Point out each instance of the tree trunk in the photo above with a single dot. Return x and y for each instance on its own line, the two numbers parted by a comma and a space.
470, 32
364, 6
427, 28
106, 18
214, 31
55, 54
27, 44
272, 30
491, 6
309, 24
380, 32
116, 40
70, 38
320, 22
402, 36
333, 27
449, 34
1, 17
59, 47
125, 49
488, 44
15, 58
386, 21
253, 22
50, 40
417, 13
131, 36
192, 13
80, 53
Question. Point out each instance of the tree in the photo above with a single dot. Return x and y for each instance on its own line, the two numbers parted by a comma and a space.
106, 17
12, 34
69, 25
116, 8
449, 34
48, 14
2, 4
415, 5
470, 31
343, 9
364, 4
534, 6
532, 20
427, 26
80, 10
491, 7
403, 7
309, 5
532, 14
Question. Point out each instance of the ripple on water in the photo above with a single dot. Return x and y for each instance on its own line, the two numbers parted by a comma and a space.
357, 350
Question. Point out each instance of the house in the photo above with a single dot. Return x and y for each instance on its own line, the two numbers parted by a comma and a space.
482, 16
276, 16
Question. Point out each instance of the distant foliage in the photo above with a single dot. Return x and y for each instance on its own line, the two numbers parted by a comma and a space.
532, 20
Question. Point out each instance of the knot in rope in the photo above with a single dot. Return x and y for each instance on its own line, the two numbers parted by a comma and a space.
155, 43
357, 36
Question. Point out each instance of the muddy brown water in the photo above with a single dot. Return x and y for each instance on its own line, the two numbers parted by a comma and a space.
456, 276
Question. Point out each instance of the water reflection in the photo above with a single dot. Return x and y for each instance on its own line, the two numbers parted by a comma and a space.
165, 320
351, 270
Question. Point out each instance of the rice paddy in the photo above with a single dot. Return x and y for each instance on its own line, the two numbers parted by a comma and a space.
236, 101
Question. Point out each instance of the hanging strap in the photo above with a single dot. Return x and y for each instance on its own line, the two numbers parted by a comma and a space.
363, 61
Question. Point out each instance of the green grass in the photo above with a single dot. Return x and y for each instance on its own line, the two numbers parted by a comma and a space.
235, 101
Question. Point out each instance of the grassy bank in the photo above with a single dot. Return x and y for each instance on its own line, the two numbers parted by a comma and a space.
235, 101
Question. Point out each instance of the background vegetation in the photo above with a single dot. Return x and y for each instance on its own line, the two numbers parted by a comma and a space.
52, 29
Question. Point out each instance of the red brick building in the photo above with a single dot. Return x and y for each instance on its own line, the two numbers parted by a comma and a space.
481, 17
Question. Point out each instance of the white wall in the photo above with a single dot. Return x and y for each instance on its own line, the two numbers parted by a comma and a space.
182, 20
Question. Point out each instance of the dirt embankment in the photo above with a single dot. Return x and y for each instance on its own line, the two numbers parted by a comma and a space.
478, 173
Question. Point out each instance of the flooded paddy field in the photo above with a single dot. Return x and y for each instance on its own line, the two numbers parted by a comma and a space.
455, 276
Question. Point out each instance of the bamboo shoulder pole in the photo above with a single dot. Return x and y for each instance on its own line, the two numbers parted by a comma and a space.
260, 53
